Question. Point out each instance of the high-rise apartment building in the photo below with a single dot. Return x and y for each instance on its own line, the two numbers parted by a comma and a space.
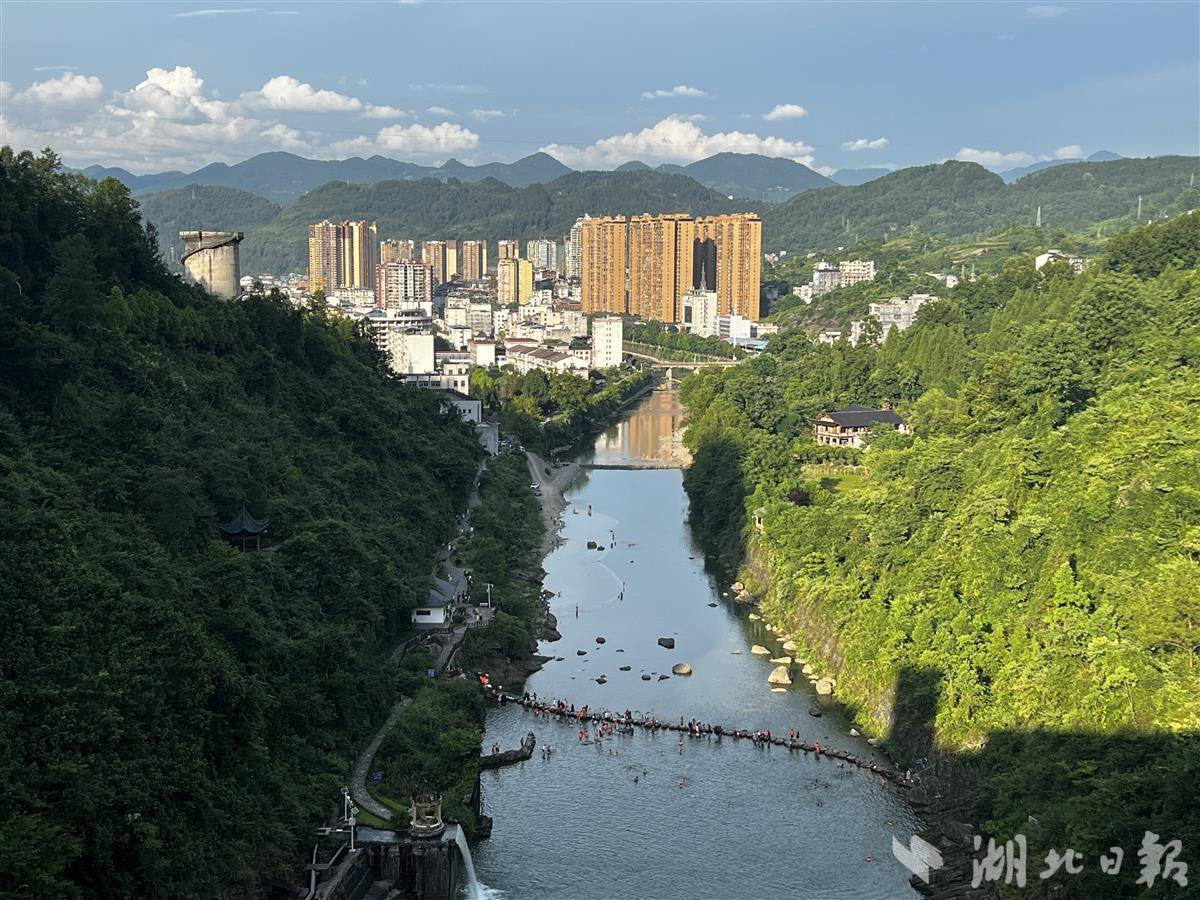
603, 242
359, 245
451, 259
574, 250
396, 250
472, 262
514, 280
403, 285
508, 250
737, 239
542, 253
433, 254
660, 264
324, 262
341, 255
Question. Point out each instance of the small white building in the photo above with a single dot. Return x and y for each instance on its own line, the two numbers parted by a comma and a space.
483, 353
1075, 262
470, 408
698, 309
607, 342
526, 359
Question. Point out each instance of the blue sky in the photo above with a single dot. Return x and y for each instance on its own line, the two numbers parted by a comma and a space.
151, 86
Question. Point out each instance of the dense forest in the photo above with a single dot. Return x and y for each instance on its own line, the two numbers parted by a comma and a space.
178, 715
1029, 554
953, 199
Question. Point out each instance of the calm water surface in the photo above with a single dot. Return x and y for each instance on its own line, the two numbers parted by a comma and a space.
746, 822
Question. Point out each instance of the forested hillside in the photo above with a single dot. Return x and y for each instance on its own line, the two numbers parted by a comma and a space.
1031, 552
175, 715
954, 199
202, 207
428, 209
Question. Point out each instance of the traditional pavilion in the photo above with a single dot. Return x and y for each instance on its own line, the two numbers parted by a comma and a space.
245, 531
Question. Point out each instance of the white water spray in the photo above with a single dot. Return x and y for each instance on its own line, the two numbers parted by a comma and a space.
475, 890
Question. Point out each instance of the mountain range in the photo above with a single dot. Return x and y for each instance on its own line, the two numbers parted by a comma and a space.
283, 177
1099, 156
951, 199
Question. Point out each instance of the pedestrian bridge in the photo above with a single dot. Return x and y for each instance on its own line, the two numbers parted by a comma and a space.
667, 358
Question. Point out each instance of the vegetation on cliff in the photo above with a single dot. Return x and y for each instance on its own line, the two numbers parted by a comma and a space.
1034, 543
178, 715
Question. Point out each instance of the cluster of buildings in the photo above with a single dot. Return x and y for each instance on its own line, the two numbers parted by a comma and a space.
1075, 262
645, 265
892, 313
828, 277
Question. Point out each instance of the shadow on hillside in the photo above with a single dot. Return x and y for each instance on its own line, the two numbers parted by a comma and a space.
1084, 791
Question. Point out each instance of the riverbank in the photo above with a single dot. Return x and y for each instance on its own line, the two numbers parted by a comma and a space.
554, 481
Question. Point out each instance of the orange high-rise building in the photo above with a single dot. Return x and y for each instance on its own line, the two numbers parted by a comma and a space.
660, 264
603, 258
738, 249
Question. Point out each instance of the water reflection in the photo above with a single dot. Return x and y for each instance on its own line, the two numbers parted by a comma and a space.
651, 435
644, 815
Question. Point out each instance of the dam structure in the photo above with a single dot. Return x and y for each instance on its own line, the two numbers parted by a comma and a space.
210, 259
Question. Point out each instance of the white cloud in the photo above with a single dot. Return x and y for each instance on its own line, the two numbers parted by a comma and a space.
223, 11
441, 111
827, 171
450, 88
1046, 11
5, 90
174, 94
1071, 151
680, 90
283, 92
55, 68
786, 111
417, 140
678, 140
866, 144
994, 159
484, 115
382, 112
67, 90
283, 12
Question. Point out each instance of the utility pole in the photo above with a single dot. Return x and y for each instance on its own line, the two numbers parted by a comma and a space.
1038, 223
1139, 215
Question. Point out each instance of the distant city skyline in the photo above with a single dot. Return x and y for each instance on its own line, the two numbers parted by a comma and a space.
152, 87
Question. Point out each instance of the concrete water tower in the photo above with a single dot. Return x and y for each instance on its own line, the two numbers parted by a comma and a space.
210, 259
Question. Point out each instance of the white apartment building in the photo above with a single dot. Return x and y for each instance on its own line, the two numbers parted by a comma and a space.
403, 284
456, 312
382, 321
479, 318
410, 352
608, 333
542, 253
574, 321
853, 271
897, 312
804, 292
698, 310
575, 250
483, 353
459, 336
824, 278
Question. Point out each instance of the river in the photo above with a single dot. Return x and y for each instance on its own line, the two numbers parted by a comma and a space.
719, 819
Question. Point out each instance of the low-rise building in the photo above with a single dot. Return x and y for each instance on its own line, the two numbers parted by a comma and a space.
1075, 262
483, 353
526, 359
698, 312
470, 408
824, 278
851, 426
853, 271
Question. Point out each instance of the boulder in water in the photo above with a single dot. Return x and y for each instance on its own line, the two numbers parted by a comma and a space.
853, 732
681, 669
782, 660
808, 669
737, 587
789, 646
778, 690
713, 603
591, 545
667, 642
736, 652
599, 639
645, 677
754, 617
759, 650
825, 686
874, 742
601, 680
779, 675
581, 653
625, 668
663, 677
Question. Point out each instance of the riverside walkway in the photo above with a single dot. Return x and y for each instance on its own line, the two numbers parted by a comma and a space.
566, 714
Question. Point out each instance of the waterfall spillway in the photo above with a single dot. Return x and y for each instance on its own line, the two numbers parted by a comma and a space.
474, 890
